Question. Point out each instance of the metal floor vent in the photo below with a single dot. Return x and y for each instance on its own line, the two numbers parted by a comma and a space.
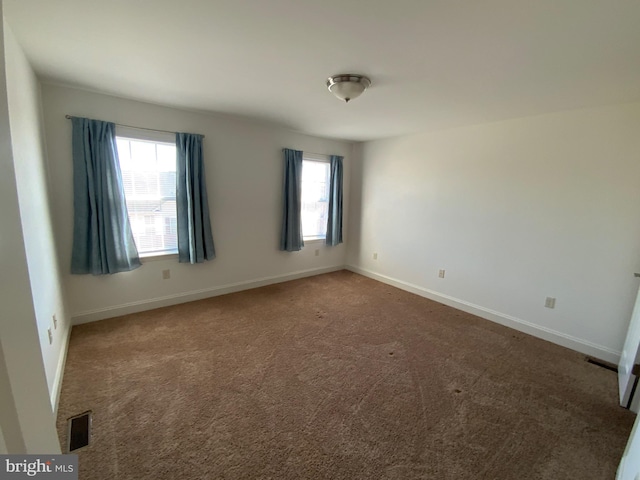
79, 431
603, 364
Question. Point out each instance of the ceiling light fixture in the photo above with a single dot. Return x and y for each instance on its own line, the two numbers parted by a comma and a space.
347, 86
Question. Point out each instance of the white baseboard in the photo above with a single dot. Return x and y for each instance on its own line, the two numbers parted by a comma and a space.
158, 302
559, 338
57, 381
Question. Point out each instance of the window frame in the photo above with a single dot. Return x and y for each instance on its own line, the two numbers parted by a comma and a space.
317, 158
132, 133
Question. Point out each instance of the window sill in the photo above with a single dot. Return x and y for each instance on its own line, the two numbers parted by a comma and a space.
314, 241
158, 256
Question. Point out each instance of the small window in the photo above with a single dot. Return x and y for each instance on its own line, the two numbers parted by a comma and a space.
149, 176
315, 197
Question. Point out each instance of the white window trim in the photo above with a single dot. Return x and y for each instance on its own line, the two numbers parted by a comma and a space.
162, 253
145, 135
168, 138
314, 157
144, 258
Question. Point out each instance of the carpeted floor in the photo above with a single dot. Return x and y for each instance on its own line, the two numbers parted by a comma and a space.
335, 377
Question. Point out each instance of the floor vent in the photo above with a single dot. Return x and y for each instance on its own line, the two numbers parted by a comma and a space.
79, 431
603, 364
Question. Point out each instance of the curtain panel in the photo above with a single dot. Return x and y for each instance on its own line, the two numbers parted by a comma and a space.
102, 238
291, 237
334, 216
195, 240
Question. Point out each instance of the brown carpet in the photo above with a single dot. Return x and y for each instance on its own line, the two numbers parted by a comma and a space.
335, 377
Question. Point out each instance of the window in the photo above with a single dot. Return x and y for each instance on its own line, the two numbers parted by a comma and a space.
315, 196
148, 165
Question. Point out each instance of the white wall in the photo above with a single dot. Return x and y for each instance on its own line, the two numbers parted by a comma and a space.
514, 212
31, 178
244, 168
26, 415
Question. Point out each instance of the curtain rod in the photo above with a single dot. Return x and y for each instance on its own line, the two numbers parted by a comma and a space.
319, 154
69, 117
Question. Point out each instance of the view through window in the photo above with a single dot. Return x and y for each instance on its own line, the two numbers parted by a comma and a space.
149, 177
315, 199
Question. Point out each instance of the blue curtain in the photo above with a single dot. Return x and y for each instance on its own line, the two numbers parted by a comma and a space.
195, 241
291, 239
334, 217
102, 238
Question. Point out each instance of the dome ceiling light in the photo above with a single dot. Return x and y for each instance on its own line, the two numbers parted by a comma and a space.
348, 86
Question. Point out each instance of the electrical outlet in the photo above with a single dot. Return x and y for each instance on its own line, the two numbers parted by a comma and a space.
375, 256
441, 273
50, 336
55, 322
317, 252
166, 274
550, 302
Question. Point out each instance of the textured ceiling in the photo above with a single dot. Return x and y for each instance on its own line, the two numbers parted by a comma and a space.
434, 64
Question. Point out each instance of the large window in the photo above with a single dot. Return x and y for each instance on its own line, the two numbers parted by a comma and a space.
315, 197
149, 175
